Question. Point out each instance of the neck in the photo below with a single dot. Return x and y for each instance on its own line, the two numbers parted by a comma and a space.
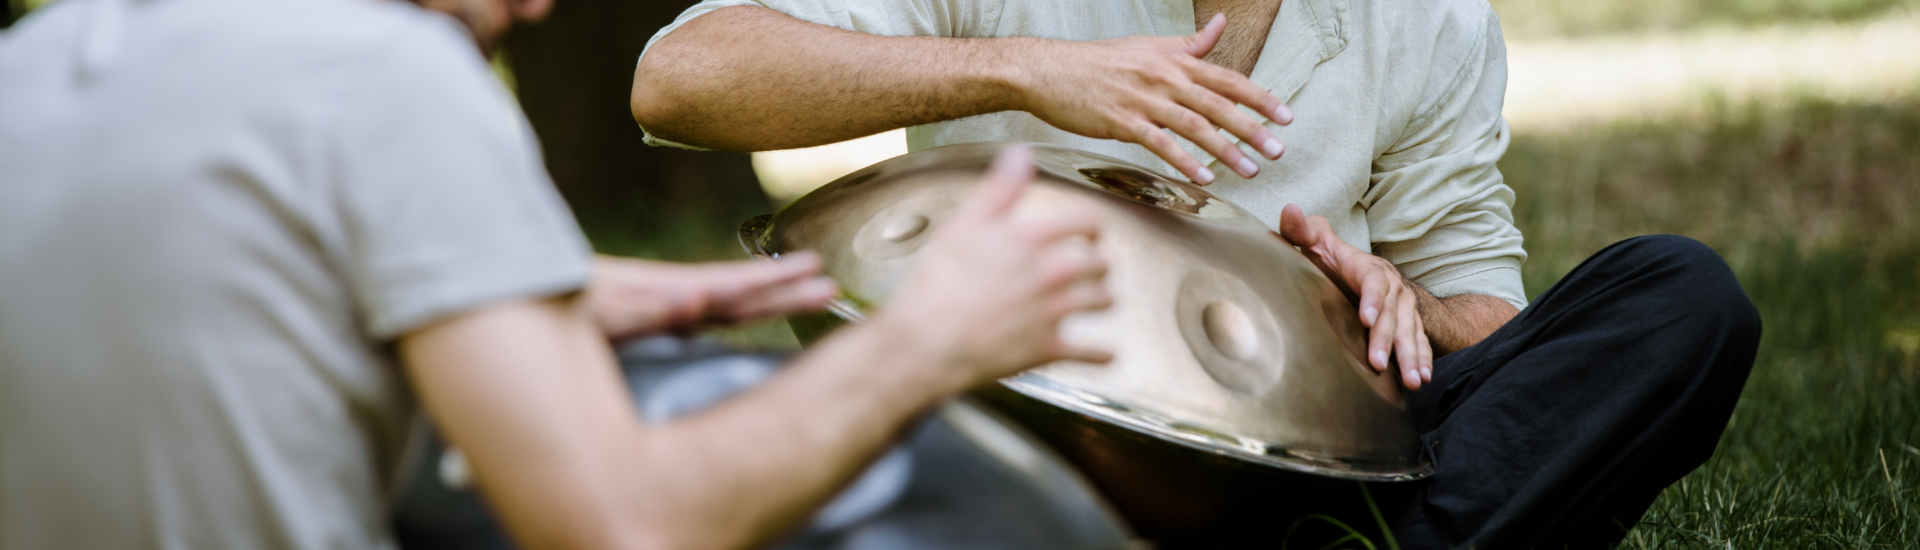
1247, 24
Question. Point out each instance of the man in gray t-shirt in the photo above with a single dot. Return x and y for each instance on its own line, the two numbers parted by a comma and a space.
239, 239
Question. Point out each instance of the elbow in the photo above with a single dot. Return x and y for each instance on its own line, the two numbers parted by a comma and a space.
650, 105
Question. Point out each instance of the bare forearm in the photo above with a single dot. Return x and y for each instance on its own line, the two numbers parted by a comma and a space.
751, 79
753, 468
531, 393
1455, 322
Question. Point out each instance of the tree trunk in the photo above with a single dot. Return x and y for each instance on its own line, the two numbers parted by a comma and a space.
573, 72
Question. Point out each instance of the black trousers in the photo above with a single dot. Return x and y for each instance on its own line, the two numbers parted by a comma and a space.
1560, 429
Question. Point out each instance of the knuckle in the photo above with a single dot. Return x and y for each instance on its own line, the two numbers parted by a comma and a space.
1161, 140
1195, 123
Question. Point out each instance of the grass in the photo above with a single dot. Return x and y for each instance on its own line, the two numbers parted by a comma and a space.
1540, 18
1812, 203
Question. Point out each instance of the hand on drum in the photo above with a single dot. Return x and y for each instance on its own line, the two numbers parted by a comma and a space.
1387, 301
1130, 88
989, 288
629, 297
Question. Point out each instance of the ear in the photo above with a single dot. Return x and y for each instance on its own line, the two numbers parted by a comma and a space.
530, 10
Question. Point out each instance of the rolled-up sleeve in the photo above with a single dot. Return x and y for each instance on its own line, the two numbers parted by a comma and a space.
1437, 206
951, 18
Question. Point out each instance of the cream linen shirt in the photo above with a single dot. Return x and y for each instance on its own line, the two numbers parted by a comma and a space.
1396, 105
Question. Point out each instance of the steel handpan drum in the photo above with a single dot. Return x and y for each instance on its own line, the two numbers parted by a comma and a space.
1226, 341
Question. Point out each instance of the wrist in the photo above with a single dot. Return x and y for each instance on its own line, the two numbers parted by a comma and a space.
920, 360
1010, 74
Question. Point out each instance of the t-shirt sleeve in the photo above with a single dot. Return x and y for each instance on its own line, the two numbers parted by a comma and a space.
442, 201
948, 18
1437, 206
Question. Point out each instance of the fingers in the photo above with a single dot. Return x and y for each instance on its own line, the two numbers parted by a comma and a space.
1221, 112
1147, 133
1375, 290
1006, 179
753, 273
1237, 88
797, 296
1088, 294
1084, 355
1201, 43
1406, 340
1063, 223
1200, 131
1085, 291
1426, 355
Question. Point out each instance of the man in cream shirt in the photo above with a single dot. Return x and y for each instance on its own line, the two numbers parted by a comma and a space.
1366, 131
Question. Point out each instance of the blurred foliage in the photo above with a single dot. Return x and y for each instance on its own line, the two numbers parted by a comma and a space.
1812, 203
572, 73
1544, 18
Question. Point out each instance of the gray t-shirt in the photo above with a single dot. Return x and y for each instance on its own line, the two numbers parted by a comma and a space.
215, 218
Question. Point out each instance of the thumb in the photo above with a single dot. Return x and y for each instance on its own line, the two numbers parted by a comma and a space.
1202, 42
1068, 352
1293, 226
1006, 179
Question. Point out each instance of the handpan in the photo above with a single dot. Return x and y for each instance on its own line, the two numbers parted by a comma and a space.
1227, 342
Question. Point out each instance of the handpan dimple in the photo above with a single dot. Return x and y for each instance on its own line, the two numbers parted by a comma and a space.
1229, 330
904, 228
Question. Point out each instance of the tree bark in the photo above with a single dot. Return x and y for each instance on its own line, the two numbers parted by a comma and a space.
573, 72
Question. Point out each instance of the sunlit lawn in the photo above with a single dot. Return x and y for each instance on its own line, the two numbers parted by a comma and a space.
1813, 204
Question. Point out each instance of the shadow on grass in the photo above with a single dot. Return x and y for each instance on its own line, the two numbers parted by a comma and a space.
1813, 205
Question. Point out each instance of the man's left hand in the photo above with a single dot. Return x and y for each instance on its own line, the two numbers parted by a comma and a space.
629, 297
1389, 305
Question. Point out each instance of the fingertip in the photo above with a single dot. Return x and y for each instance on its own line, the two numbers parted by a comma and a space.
1282, 114
1203, 176
803, 259
1271, 147
1015, 161
1379, 360
823, 286
1371, 315
1098, 357
1246, 167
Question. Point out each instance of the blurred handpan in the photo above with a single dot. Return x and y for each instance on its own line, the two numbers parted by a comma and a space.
1238, 366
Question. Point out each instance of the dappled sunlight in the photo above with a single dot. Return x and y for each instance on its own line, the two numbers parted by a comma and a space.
786, 175
1556, 84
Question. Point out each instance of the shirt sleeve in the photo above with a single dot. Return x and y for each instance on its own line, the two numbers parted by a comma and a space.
1437, 206
440, 195
948, 18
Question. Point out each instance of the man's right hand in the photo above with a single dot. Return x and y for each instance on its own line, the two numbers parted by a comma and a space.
990, 288
1130, 88
731, 79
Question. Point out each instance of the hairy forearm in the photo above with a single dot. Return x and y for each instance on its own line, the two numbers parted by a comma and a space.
752, 79
1455, 322
753, 467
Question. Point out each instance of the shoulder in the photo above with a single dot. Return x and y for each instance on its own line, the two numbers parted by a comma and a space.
1443, 24
357, 34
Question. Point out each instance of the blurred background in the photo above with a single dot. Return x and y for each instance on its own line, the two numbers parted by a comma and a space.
1784, 133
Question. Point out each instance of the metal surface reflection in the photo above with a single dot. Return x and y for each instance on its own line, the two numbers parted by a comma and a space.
1227, 341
